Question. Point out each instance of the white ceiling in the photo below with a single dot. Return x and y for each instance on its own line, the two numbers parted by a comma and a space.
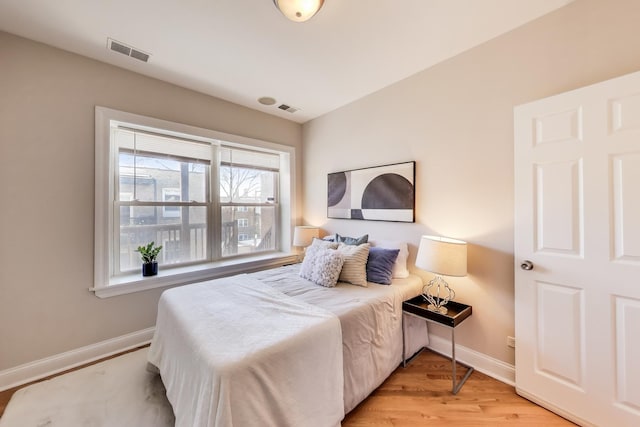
240, 50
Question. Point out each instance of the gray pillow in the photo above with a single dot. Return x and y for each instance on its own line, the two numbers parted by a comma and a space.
352, 240
322, 265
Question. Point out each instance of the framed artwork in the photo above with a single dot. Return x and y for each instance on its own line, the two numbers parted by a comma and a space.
381, 193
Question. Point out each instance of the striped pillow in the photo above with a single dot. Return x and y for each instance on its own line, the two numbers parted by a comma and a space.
354, 269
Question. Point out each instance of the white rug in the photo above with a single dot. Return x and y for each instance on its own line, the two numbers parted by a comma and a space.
118, 392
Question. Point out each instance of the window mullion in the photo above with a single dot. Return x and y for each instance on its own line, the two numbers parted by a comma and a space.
215, 211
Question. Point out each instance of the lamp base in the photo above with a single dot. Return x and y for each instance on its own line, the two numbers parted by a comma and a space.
441, 310
431, 293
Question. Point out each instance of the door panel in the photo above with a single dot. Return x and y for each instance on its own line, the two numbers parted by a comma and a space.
559, 127
626, 191
628, 354
625, 113
560, 332
577, 216
559, 207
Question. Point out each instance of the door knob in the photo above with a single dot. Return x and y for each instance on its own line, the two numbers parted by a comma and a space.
526, 265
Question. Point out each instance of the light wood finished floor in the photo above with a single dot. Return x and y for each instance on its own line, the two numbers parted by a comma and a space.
421, 395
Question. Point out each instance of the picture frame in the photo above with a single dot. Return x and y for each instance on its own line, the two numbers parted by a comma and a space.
379, 193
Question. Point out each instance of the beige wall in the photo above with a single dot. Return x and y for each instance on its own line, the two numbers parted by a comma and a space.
456, 120
47, 100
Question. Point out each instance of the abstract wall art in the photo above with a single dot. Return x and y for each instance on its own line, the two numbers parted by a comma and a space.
381, 193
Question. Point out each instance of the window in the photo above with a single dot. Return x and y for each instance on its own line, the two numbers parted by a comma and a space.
248, 197
162, 195
212, 200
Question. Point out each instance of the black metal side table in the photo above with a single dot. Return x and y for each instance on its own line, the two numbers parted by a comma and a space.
457, 313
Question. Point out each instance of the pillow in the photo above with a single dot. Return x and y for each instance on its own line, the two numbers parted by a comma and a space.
400, 268
354, 270
322, 265
352, 240
322, 243
380, 265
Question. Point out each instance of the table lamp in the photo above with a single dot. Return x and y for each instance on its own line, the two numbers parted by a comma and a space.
303, 236
443, 257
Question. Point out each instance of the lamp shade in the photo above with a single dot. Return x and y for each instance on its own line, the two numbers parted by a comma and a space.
303, 235
441, 255
298, 10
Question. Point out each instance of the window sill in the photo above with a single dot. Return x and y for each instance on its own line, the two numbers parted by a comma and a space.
131, 283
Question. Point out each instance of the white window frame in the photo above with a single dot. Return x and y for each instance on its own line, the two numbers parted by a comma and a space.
107, 284
243, 222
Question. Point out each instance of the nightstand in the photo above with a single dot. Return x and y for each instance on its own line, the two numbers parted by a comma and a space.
457, 313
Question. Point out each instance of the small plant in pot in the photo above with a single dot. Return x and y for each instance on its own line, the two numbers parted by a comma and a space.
149, 254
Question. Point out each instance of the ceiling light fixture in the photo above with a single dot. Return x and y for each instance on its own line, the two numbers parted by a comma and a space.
298, 10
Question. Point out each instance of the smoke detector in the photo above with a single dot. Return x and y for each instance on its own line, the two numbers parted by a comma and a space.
288, 108
125, 49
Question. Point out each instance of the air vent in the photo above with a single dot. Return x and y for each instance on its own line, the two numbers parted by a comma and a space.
288, 108
124, 49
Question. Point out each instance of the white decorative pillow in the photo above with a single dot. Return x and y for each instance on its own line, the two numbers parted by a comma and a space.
354, 270
400, 268
322, 243
322, 265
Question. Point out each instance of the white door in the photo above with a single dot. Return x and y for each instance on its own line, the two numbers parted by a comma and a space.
577, 209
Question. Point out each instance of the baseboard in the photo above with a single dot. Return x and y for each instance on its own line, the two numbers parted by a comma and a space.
553, 408
495, 368
43, 368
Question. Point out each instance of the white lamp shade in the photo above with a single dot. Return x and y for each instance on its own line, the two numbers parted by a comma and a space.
303, 235
298, 10
441, 255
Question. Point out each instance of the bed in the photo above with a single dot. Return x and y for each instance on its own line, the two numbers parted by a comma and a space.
274, 349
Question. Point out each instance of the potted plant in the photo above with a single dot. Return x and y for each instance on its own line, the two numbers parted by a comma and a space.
149, 254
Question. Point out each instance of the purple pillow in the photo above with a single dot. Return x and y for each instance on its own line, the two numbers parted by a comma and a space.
380, 265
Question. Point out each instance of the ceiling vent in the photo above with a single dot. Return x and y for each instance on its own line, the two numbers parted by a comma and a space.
288, 108
124, 49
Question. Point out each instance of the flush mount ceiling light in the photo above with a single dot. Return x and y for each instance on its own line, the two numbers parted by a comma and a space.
298, 10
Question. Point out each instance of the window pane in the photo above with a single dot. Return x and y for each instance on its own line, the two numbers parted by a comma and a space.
248, 231
245, 185
183, 237
146, 177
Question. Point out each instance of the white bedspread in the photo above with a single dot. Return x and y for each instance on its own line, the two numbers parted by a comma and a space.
235, 351
371, 321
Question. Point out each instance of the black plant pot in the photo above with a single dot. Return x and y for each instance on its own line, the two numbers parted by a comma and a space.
150, 269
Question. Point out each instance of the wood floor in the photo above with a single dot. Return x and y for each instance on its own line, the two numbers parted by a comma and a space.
421, 395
